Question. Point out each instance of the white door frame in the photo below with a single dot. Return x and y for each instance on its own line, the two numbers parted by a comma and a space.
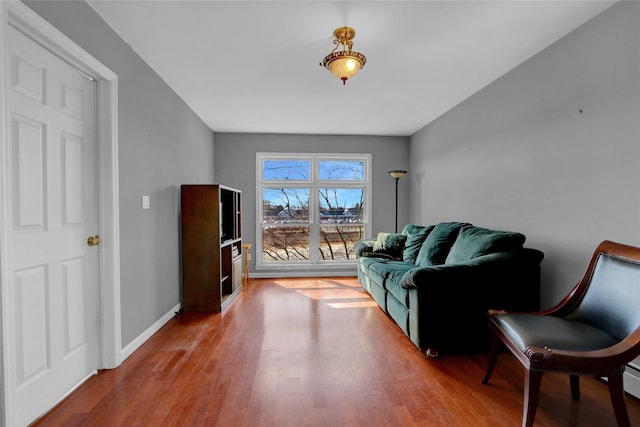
21, 17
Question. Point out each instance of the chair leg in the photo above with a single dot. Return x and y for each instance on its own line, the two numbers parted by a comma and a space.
616, 391
574, 380
494, 347
532, 380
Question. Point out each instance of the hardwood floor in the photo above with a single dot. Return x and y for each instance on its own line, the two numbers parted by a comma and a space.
298, 352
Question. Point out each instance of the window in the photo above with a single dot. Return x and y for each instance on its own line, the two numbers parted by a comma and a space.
314, 208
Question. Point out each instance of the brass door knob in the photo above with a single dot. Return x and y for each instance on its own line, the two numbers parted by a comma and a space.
93, 240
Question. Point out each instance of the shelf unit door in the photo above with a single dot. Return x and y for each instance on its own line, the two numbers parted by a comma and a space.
201, 248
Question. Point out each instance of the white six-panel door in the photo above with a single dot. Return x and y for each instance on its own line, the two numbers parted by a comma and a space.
54, 286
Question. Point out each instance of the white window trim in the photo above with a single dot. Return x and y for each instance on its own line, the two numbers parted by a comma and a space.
313, 183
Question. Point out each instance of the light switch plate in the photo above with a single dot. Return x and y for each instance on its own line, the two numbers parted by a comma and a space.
146, 203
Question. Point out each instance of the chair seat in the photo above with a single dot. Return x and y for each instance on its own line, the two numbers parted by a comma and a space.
526, 330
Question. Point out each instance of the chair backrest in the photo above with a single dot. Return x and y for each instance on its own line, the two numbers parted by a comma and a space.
612, 300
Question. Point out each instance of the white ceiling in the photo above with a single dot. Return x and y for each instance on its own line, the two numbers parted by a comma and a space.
253, 66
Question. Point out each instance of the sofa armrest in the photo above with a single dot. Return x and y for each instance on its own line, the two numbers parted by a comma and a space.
435, 276
448, 303
364, 247
468, 273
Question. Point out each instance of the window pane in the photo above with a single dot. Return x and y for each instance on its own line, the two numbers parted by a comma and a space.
341, 205
337, 243
341, 170
285, 205
285, 243
276, 170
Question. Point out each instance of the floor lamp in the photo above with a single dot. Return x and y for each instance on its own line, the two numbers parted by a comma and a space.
397, 174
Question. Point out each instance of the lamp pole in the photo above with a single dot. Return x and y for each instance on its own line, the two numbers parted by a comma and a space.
396, 174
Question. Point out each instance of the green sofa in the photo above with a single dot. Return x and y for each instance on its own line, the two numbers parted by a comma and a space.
437, 282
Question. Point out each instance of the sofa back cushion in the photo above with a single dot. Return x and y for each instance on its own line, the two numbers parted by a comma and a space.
390, 244
416, 235
473, 242
436, 246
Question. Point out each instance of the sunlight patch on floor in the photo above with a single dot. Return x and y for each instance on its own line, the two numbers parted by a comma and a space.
355, 304
350, 283
330, 291
304, 284
322, 294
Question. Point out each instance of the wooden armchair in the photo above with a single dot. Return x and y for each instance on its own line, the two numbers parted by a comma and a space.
594, 330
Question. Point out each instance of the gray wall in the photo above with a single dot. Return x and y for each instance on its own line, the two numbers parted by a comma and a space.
519, 154
162, 144
236, 167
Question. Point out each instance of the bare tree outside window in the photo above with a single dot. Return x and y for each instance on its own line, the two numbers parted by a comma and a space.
341, 219
285, 230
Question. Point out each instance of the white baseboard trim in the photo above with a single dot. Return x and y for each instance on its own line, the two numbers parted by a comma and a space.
148, 333
631, 379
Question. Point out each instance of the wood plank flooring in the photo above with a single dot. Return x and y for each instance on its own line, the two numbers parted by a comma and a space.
313, 352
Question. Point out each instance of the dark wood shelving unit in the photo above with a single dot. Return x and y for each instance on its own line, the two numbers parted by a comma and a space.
211, 246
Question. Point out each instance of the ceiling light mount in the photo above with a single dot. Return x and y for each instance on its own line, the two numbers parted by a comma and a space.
344, 63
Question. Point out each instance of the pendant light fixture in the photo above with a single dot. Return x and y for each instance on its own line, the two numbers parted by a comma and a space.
344, 63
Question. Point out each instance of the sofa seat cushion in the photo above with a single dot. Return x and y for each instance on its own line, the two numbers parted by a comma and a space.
399, 312
390, 272
437, 244
416, 235
379, 294
379, 271
367, 262
473, 242
399, 293
393, 270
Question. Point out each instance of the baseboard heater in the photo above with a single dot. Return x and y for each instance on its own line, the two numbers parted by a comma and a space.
631, 378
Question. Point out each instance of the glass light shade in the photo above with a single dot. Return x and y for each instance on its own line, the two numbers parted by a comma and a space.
397, 173
344, 64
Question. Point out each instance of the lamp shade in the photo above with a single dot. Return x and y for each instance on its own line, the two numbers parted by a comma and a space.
397, 173
344, 65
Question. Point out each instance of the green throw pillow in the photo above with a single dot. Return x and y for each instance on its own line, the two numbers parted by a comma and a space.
416, 235
390, 244
473, 242
437, 244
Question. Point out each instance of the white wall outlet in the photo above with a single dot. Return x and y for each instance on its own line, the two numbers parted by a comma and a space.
146, 202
